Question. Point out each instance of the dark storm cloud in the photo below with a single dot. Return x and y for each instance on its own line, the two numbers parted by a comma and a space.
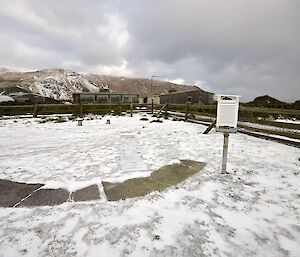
245, 47
235, 46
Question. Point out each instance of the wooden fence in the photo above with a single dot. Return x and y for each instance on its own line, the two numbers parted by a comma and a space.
250, 114
75, 109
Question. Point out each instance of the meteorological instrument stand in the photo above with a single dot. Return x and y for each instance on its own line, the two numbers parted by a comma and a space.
225, 151
227, 117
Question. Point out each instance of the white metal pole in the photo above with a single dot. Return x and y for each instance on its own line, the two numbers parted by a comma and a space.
225, 151
131, 107
151, 92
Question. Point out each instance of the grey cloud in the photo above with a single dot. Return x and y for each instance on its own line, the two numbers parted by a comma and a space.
245, 47
236, 46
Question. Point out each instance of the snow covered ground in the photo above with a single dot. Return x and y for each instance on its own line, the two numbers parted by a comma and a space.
252, 211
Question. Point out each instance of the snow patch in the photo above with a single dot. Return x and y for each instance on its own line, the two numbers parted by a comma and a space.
5, 98
71, 186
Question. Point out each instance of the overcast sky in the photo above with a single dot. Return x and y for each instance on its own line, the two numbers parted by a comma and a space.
246, 47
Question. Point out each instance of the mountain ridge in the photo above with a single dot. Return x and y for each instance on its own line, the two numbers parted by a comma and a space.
60, 84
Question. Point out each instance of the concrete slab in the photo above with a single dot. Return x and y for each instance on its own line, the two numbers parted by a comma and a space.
44, 197
86, 194
13, 192
159, 180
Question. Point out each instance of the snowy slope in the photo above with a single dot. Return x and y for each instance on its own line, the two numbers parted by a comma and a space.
58, 84
138, 86
4, 70
252, 211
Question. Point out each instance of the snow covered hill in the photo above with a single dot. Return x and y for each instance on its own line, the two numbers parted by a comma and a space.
4, 70
58, 84
140, 86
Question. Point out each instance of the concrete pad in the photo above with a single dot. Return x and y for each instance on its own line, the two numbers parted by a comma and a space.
159, 180
86, 194
46, 197
12, 192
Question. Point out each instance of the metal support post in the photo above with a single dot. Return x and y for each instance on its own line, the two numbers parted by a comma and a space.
186, 111
152, 105
166, 111
80, 110
35, 110
225, 151
131, 108
151, 90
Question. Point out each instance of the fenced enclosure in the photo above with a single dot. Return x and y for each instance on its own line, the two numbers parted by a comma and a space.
248, 114
245, 113
75, 109
259, 122
251, 119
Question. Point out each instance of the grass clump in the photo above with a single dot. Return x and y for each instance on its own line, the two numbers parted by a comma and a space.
73, 117
60, 120
157, 120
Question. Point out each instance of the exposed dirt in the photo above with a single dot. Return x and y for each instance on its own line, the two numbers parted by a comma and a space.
86, 194
159, 180
46, 197
14, 194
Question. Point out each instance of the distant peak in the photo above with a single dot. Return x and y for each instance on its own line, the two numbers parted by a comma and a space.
5, 69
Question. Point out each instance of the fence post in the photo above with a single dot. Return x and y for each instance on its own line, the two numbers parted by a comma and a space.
35, 110
252, 117
166, 111
210, 127
120, 109
131, 107
80, 110
186, 111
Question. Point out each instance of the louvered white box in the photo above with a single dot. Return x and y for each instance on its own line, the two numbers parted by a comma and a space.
227, 113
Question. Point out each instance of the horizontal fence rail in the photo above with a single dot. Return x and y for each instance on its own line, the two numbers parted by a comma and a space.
75, 109
250, 114
286, 133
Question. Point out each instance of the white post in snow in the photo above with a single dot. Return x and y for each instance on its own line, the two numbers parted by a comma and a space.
227, 117
225, 151
79, 121
131, 107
